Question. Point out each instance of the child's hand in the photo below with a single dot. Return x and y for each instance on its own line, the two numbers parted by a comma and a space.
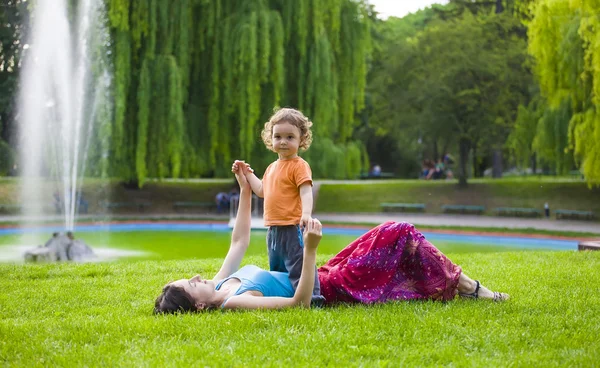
235, 168
244, 167
313, 232
247, 169
241, 178
304, 220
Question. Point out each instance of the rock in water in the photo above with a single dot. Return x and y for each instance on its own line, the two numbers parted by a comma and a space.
61, 247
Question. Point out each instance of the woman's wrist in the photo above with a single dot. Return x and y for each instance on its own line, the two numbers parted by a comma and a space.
310, 251
311, 243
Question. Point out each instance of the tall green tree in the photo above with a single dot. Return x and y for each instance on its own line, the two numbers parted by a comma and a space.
522, 137
393, 132
195, 81
520, 9
461, 78
14, 18
564, 40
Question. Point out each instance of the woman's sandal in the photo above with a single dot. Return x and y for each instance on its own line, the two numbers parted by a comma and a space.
473, 295
498, 297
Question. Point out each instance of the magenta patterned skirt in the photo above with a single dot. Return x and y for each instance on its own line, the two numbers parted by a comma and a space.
393, 261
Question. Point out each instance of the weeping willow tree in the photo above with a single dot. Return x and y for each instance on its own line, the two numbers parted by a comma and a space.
551, 140
565, 41
522, 137
325, 77
151, 65
541, 135
195, 80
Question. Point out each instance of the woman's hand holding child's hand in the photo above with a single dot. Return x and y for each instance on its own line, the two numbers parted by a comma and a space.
238, 169
243, 166
313, 232
304, 220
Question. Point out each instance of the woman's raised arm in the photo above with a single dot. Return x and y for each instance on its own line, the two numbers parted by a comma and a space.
240, 238
312, 237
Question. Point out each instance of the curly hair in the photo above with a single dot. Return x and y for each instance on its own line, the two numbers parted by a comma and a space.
294, 117
174, 299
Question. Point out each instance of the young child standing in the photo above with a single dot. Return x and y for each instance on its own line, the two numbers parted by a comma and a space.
286, 187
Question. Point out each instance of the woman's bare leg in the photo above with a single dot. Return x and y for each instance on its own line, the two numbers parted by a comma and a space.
467, 287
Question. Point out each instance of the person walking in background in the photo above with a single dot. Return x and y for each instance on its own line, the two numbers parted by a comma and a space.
448, 161
223, 201
439, 169
376, 172
82, 203
426, 169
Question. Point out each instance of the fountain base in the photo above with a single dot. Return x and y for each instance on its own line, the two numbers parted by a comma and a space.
61, 247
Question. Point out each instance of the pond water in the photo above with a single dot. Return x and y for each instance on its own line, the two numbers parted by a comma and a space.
170, 240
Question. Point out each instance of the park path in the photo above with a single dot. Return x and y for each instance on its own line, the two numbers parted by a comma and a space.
452, 220
464, 220
372, 218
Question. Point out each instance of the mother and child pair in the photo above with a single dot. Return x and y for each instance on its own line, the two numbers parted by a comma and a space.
393, 261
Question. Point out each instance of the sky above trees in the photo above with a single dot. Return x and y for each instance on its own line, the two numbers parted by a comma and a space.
399, 8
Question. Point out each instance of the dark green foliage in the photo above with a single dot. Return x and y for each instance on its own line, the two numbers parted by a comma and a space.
194, 80
448, 82
205, 75
6, 158
121, 70
564, 40
14, 18
522, 137
551, 140
144, 98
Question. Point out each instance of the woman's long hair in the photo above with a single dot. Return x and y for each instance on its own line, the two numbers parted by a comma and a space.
174, 299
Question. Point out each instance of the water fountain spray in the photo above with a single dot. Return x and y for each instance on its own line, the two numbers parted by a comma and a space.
64, 82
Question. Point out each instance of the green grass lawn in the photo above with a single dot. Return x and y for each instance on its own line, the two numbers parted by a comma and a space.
99, 314
510, 192
161, 194
560, 192
174, 245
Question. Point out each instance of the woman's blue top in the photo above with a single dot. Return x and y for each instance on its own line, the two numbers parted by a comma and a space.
269, 283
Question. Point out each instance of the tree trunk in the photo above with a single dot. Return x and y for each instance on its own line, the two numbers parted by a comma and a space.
499, 7
497, 163
475, 163
463, 146
3, 126
534, 164
479, 164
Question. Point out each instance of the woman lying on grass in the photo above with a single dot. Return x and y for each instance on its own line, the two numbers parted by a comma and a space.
390, 262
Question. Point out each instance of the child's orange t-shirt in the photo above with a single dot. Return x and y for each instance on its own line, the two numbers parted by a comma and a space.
281, 189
